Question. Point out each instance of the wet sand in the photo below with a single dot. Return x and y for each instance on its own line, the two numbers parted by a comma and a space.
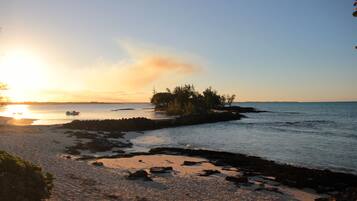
146, 162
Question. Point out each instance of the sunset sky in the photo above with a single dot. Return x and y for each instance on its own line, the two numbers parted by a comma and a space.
119, 51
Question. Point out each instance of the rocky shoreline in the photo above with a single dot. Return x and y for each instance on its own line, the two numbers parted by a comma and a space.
143, 124
322, 181
338, 186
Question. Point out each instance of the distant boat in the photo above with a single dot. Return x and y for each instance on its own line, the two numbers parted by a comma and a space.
72, 113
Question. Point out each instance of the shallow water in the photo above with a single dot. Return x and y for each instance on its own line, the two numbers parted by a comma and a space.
321, 135
47, 114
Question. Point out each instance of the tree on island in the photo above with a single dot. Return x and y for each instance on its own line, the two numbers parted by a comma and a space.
230, 99
185, 100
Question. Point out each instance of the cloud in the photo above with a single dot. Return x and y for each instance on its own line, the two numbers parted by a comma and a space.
130, 78
146, 70
144, 66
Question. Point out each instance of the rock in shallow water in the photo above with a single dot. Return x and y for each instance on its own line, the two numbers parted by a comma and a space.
209, 172
191, 163
160, 169
139, 175
237, 179
96, 163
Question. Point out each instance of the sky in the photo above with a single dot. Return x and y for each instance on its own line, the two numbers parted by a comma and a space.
120, 50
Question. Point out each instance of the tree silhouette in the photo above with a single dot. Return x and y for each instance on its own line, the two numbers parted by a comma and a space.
230, 99
185, 100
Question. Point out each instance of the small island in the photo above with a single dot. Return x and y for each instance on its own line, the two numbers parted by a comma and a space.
183, 106
185, 100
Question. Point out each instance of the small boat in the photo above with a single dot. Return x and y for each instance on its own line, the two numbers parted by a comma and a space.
72, 113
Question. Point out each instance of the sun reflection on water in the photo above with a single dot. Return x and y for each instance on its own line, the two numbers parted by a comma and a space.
16, 111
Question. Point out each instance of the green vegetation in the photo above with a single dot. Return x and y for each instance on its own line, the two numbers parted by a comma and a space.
22, 181
185, 100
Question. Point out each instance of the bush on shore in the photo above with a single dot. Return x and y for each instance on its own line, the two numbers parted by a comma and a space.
22, 181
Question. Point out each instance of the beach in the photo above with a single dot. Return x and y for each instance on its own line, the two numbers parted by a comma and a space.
249, 156
81, 180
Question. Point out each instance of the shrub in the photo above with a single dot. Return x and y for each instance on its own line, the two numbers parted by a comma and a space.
22, 181
185, 100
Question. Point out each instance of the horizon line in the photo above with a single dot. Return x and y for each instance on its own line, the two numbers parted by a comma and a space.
141, 102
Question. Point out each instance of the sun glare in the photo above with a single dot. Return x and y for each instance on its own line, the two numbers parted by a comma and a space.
16, 111
22, 71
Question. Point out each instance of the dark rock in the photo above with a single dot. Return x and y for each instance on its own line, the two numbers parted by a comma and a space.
143, 124
160, 169
119, 151
271, 189
115, 134
112, 196
139, 175
191, 163
97, 145
218, 163
82, 135
251, 173
86, 157
209, 172
239, 109
65, 156
96, 163
237, 179
72, 151
122, 144
322, 181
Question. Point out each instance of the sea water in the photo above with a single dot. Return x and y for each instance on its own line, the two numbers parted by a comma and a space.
319, 135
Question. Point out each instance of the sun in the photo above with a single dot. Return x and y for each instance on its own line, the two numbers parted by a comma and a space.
22, 71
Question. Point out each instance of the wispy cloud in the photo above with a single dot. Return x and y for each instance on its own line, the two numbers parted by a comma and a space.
133, 75
146, 70
144, 65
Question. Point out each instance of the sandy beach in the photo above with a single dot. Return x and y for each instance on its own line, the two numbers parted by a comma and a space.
81, 180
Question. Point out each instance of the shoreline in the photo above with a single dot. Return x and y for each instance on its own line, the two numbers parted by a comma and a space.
82, 180
103, 144
321, 181
247, 176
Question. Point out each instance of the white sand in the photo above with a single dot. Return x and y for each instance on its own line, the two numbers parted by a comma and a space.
44, 145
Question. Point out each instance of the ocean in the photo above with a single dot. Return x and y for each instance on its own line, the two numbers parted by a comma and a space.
317, 135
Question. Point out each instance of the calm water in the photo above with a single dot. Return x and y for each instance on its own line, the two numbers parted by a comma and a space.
46, 114
322, 135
